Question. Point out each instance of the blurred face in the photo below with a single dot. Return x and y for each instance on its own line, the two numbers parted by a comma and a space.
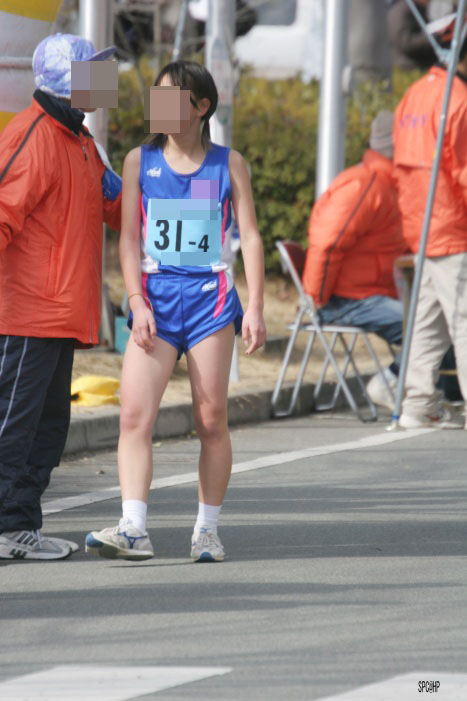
170, 109
94, 84
167, 110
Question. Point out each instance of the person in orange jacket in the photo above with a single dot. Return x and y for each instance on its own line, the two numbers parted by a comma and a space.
442, 305
354, 237
55, 193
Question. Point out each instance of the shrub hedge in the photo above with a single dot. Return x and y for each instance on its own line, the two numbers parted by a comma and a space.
275, 129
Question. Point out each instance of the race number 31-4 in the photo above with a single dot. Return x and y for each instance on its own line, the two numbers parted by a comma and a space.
184, 232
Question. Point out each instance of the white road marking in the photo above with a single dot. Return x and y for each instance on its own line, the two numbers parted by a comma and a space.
407, 687
56, 505
93, 683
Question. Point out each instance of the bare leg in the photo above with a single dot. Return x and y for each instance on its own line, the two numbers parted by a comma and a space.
209, 366
144, 379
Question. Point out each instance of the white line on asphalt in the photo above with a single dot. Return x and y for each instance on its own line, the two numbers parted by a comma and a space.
78, 682
408, 687
56, 505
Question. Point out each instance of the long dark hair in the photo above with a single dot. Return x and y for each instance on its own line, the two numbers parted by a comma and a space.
196, 78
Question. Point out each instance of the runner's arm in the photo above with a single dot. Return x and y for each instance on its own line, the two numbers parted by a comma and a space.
130, 253
252, 251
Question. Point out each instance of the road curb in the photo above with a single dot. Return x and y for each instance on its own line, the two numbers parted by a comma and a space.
98, 428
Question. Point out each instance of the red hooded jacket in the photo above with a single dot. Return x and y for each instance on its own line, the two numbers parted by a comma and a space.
354, 234
416, 123
53, 201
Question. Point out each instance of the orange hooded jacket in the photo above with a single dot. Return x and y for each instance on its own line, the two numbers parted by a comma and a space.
416, 124
53, 202
354, 234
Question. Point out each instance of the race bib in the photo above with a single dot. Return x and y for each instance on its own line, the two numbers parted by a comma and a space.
184, 232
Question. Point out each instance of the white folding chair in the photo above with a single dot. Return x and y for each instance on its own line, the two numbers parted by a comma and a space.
307, 320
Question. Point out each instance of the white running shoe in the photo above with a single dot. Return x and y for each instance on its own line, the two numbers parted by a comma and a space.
206, 546
74, 547
442, 419
32, 545
124, 541
378, 391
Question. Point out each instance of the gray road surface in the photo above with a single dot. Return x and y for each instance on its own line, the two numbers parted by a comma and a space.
343, 570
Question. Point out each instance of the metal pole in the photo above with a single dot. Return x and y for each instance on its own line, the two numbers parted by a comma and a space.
220, 32
179, 33
453, 60
157, 33
220, 29
441, 54
96, 22
331, 127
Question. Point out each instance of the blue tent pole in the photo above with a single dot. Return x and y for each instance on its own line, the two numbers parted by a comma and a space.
452, 65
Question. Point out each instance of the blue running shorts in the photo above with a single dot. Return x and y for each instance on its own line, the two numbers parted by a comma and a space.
190, 307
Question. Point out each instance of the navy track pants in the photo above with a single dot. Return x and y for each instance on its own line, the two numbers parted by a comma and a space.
35, 382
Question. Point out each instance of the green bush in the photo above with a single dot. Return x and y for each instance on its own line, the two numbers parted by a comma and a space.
275, 129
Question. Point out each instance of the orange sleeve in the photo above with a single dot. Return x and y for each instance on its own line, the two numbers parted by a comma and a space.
458, 142
25, 177
340, 216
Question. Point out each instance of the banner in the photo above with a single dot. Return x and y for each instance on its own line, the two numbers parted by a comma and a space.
23, 24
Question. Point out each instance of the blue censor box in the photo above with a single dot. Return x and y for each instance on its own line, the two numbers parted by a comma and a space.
184, 232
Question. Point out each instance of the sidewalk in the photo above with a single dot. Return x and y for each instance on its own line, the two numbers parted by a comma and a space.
249, 401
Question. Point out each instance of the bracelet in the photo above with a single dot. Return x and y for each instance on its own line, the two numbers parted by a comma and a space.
146, 299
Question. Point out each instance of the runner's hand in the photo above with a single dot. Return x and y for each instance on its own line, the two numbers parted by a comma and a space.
144, 326
253, 326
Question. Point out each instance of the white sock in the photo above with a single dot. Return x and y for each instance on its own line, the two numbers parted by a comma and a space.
136, 511
207, 517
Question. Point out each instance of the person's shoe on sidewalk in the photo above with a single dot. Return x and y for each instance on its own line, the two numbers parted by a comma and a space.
206, 546
32, 545
62, 542
378, 391
124, 542
442, 419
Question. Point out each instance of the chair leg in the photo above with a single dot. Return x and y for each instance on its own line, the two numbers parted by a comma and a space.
280, 381
345, 365
284, 366
301, 373
341, 379
329, 350
349, 350
377, 364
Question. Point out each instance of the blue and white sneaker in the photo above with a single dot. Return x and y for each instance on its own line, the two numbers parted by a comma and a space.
124, 541
206, 546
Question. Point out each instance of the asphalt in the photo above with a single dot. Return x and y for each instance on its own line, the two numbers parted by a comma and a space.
346, 566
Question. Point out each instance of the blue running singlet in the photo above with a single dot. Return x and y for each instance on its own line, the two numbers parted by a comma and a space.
158, 181
190, 302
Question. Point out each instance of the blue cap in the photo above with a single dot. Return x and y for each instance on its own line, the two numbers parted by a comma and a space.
51, 62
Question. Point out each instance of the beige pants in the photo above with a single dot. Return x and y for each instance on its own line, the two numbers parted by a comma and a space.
441, 318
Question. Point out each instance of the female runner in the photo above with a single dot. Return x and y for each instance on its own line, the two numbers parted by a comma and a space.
182, 300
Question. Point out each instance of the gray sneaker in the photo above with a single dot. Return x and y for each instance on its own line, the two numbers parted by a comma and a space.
74, 547
124, 541
32, 545
442, 420
206, 546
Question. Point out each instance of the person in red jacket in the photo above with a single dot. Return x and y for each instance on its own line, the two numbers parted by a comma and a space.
442, 305
354, 237
55, 194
